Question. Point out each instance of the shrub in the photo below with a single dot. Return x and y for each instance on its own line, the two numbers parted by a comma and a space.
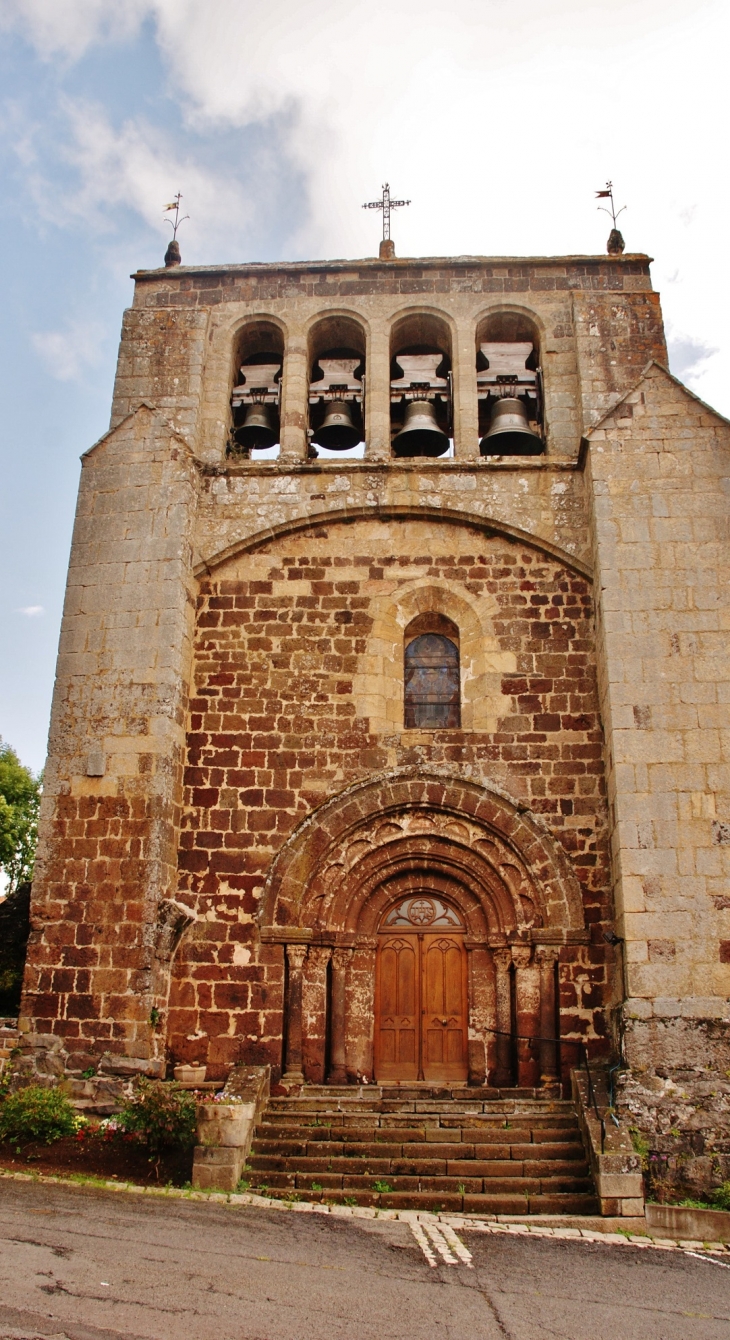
721, 1197
160, 1114
36, 1114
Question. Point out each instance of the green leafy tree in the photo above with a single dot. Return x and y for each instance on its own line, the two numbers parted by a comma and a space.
20, 798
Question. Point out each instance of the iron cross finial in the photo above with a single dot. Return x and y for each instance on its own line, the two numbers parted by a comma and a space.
386, 204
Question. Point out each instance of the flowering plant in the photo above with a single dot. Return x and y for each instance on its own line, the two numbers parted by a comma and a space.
220, 1097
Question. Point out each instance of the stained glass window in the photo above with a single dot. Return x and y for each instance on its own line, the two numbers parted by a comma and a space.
432, 691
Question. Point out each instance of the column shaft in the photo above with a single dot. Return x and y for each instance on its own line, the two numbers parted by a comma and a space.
377, 395
528, 1016
296, 955
546, 957
502, 962
338, 1066
295, 399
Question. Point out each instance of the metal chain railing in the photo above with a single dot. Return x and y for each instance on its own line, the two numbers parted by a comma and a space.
533, 1038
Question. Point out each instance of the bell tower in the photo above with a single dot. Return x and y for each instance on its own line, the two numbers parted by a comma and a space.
376, 602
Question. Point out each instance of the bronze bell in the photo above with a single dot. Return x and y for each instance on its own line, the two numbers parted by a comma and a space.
509, 432
258, 428
420, 434
337, 432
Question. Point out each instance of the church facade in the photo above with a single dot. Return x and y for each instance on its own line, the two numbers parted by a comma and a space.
407, 764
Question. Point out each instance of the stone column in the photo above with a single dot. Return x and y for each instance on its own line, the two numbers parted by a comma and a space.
295, 399
296, 955
466, 408
475, 1044
377, 395
528, 1015
338, 1070
546, 956
314, 1014
502, 963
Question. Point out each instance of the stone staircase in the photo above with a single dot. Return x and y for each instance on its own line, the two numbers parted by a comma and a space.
419, 1147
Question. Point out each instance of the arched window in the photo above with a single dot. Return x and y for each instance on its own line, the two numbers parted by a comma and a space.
432, 680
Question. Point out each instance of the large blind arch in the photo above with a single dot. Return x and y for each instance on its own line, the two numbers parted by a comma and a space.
431, 674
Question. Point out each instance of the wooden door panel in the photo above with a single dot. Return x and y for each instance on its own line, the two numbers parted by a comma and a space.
445, 1009
396, 1024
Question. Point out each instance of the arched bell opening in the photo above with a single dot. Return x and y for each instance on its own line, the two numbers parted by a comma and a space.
509, 386
421, 387
336, 388
256, 394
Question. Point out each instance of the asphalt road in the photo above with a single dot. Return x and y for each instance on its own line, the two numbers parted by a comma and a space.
94, 1265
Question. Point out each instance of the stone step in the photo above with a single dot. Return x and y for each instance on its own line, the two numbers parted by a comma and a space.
412, 1120
418, 1167
350, 1136
328, 1149
333, 1181
553, 1202
420, 1150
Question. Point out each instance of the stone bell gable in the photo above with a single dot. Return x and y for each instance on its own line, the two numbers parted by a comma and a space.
408, 765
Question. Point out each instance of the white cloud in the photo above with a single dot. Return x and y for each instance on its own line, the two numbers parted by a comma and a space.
70, 27
31, 611
499, 121
69, 352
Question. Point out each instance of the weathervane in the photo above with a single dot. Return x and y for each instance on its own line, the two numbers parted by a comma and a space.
172, 255
615, 244
387, 248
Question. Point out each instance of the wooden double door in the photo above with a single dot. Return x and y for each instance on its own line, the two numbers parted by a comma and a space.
421, 1008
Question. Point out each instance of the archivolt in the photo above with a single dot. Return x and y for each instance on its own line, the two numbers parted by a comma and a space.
405, 829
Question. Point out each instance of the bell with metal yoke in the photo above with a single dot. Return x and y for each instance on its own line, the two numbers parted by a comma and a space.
258, 429
420, 434
509, 433
337, 431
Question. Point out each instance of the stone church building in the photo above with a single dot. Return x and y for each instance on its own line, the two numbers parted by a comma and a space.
389, 739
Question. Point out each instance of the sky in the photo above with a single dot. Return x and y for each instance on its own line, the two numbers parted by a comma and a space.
498, 119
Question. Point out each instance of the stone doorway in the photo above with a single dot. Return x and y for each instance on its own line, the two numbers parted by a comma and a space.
421, 1000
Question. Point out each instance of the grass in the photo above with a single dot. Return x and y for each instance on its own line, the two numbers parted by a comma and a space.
382, 1187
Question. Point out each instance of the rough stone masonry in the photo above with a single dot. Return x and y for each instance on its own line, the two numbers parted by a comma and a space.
240, 834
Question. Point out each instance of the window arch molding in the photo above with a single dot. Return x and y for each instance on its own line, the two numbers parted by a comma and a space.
379, 683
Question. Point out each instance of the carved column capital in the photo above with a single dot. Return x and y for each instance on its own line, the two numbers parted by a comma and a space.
341, 955
296, 955
320, 954
546, 955
502, 958
521, 955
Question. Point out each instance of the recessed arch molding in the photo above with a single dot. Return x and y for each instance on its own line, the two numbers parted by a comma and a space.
407, 832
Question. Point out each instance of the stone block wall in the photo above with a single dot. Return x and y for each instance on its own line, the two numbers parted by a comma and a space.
279, 722
659, 471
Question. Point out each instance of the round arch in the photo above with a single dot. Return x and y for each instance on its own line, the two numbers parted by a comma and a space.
508, 874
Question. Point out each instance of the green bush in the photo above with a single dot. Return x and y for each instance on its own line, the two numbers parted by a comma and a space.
160, 1114
721, 1197
36, 1114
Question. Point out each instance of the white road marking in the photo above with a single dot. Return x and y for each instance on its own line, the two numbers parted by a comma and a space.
449, 1247
709, 1259
457, 1245
440, 1243
423, 1243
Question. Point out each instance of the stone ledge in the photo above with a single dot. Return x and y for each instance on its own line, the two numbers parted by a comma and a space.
614, 1164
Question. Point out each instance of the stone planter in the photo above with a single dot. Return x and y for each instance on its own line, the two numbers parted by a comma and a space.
190, 1074
225, 1130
